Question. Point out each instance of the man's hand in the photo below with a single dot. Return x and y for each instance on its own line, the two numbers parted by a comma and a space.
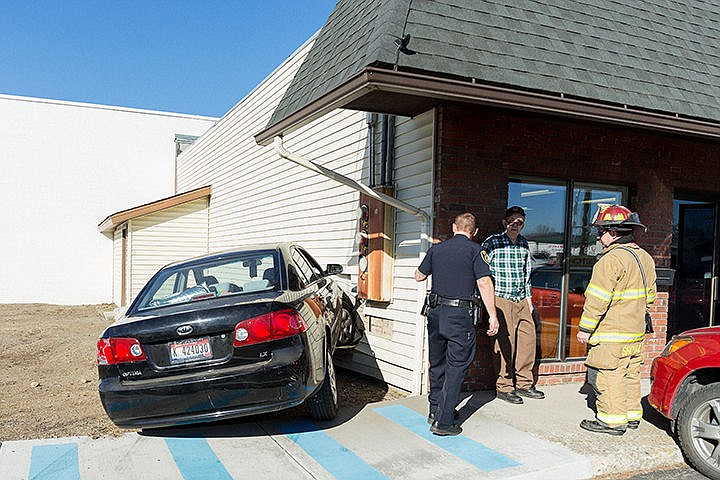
583, 337
493, 326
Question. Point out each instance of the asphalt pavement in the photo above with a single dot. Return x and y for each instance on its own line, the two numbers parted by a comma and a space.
537, 440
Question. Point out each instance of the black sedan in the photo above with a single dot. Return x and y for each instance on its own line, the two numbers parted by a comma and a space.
228, 335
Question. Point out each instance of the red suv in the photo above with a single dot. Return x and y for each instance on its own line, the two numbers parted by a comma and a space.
686, 389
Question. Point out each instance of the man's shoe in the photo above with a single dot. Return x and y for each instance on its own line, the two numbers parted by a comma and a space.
431, 417
633, 424
531, 392
445, 431
600, 427
510, 397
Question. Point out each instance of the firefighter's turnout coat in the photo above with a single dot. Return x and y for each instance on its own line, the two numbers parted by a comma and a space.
615, 298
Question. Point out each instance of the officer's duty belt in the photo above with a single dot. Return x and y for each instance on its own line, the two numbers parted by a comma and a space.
453, 302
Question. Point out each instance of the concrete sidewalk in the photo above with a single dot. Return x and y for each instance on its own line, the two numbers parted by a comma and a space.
538, 440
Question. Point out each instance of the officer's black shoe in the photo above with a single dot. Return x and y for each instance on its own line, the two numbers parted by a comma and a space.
431, 417
531, 392
510, 397
633, 424
600, 427
445, 431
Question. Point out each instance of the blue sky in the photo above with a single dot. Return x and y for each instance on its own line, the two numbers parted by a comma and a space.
196, 57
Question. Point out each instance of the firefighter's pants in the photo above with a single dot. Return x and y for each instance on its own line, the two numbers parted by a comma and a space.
618, 381
515, 345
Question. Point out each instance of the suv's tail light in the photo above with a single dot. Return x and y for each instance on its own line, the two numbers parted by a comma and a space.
270, 326
119, 350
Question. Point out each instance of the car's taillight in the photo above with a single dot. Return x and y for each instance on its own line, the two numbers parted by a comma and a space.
119, 350
270, 326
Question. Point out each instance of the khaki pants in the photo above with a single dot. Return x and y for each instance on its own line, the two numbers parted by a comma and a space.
618, 381
514, 345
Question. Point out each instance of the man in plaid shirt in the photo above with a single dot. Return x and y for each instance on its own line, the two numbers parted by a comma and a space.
508, 254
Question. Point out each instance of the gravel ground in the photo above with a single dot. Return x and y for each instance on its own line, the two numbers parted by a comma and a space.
49, 376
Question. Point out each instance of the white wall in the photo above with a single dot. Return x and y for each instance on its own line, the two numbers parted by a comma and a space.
64, 168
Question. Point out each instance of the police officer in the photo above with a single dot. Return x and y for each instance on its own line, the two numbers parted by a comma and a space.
457, 266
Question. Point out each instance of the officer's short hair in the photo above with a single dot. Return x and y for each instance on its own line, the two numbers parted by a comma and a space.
465, 222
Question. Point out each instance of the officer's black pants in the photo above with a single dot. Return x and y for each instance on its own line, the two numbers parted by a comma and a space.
451, 348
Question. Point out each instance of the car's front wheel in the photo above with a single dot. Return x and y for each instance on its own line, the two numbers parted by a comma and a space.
323, 404
698, 428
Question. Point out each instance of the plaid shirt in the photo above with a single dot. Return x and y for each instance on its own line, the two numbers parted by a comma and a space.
510, 265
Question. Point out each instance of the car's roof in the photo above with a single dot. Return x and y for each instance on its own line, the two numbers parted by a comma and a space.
230, 253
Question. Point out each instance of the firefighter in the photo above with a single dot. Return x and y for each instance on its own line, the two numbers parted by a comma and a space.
621, 287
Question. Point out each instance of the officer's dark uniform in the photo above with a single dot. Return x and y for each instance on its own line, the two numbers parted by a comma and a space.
455, 265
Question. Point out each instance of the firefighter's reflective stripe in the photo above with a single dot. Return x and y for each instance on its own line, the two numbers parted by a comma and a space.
634, 415
631, 294
615, 337
612, 420
650, 295
597, 292
588, 323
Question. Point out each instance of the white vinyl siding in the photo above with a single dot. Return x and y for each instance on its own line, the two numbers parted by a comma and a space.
259, 197
117, 266
164, 237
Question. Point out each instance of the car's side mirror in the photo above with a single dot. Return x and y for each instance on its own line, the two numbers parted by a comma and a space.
333, 269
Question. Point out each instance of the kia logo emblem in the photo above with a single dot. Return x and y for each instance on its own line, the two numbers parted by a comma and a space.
184, 330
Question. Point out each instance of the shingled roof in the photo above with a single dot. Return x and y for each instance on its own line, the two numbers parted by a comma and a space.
659, 56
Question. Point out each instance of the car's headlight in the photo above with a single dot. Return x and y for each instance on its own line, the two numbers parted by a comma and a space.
676, 343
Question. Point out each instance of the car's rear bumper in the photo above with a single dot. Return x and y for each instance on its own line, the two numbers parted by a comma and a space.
211, 395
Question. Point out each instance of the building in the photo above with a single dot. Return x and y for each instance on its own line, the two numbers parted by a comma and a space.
65, 165
443, 107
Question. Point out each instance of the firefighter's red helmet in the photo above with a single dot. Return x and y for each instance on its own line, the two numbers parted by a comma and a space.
616, 216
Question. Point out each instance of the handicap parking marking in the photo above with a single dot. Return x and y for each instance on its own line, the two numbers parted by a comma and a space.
54, 462
338, 460
460, 446
196, 460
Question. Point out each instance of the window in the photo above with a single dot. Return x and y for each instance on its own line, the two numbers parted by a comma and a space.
219, 276
309, 269
563, 252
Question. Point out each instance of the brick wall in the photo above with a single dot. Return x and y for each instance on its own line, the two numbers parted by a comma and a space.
478, 149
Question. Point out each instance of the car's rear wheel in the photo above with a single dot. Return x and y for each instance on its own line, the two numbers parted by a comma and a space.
698, 428
323, 404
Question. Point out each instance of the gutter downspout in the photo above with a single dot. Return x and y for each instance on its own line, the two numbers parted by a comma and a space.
393, 202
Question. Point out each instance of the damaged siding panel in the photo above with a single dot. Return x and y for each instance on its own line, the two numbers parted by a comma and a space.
167, 236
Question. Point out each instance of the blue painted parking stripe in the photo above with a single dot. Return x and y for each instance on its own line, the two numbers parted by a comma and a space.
54, 462
341, 462
462, 447
196, 460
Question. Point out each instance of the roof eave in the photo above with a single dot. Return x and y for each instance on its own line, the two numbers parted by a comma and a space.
112, 221
370, 90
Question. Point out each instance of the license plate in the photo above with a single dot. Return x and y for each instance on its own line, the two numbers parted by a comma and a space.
190, 350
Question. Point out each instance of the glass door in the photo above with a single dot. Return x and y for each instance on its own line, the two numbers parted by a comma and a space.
544, 203
694, 295
583, 252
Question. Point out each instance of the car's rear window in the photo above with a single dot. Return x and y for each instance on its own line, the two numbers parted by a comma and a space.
237, 275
